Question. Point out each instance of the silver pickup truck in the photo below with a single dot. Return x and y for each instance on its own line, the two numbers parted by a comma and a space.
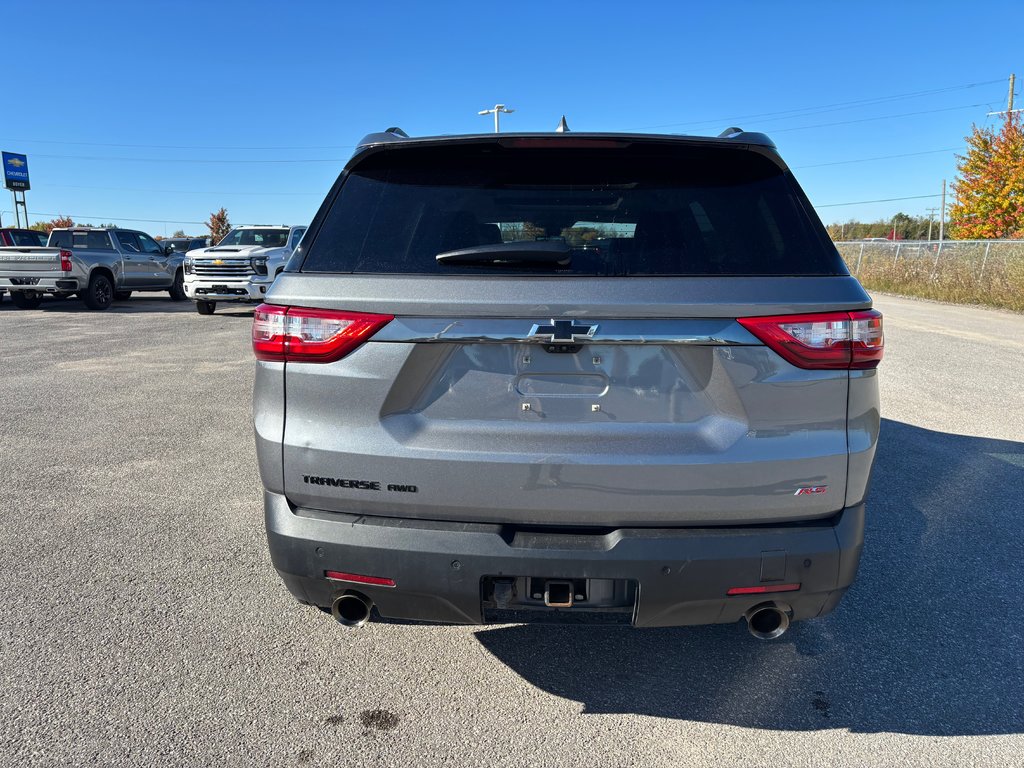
98, 264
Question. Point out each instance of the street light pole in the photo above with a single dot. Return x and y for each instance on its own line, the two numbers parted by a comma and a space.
498, 109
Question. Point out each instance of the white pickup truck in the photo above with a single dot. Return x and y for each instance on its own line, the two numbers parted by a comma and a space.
241, 267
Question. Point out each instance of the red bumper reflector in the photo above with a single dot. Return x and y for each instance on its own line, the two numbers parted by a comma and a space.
763, 589
357, 579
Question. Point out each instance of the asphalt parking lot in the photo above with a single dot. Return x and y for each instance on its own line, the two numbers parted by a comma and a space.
141, 622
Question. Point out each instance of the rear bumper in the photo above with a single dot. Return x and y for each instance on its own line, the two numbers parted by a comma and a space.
682, 574
50, 284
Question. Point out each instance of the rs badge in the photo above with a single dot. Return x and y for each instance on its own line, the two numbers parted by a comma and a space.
810, 490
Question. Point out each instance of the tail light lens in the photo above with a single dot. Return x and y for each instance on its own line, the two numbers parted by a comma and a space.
65, 260
833, 340
300, 335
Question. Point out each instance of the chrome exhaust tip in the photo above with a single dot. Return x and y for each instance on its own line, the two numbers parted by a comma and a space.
351, 609
767, 621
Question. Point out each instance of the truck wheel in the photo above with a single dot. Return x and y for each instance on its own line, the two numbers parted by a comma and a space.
177, 290
26, 299
206, 307
100, 293
122, 295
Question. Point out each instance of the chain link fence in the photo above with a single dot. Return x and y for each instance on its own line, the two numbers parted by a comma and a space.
962, 271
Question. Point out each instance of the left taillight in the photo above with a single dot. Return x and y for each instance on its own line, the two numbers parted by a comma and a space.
65, 260
832, 340
301, 335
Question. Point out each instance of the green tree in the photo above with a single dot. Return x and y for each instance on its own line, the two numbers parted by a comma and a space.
989, 188
178, 233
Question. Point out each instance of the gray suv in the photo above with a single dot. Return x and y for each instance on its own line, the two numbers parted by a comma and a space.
564, 376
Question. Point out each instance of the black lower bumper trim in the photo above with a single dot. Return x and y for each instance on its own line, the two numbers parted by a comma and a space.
682, 573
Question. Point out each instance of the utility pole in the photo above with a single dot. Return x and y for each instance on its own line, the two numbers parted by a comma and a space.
942, 214
1009, 101
498, 109
931, 215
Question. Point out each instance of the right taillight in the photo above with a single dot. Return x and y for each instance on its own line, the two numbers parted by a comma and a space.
301, 335
832, 340
65, 260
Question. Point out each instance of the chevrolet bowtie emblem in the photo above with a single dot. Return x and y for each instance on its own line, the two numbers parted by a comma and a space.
218, 261
563, 332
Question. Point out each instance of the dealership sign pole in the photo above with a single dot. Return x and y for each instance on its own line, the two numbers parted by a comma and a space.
16, 180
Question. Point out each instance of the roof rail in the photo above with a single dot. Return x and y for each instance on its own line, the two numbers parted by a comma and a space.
747, 137
394, 133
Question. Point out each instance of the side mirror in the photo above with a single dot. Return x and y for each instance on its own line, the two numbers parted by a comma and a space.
168, 250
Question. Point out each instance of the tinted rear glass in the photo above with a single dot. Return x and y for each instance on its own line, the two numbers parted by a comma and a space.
81, 240
649, 209
28, 239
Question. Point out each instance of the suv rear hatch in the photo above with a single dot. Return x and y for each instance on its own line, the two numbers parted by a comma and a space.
575, 357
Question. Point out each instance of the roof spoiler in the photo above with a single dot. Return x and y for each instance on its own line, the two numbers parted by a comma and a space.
746, 137
386, 136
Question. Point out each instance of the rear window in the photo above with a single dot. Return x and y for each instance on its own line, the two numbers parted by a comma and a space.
81, 240
648, 209
28, 239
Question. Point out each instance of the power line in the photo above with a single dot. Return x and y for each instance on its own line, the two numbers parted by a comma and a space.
343, 160
879, 157
778, 115
878, 117
176, 146
881, 200
188, 160
82, 216
827, 107
187, 191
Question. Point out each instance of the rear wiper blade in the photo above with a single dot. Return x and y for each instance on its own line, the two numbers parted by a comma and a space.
552, 252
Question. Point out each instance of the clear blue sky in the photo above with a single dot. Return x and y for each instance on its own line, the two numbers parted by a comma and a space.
168, 110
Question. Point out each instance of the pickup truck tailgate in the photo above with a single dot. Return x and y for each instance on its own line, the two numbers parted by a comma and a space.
18, 261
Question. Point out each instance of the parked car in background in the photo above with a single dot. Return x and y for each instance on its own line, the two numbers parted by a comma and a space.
185, 244
616, 375
241, 267
98, 264
23, 237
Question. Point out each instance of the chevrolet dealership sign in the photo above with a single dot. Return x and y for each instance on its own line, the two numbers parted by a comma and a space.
15, 171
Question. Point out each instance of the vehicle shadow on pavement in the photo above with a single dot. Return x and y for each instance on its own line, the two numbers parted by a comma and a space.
143, 304
928, 641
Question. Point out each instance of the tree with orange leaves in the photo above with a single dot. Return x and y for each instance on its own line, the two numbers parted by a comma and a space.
989, 189
219, 226
61, 222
